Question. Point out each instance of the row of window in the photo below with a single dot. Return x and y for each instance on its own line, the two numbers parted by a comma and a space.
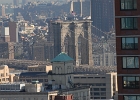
97, 93
94, 84
130, 62
129, 23
98, 89
88, 77
127, 97
131, 82
130, 43
98, 98
128, 4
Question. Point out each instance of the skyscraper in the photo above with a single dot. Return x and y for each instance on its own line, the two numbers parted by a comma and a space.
102, 14
127, 22
81, 8
2, 10
24, 2
15, 2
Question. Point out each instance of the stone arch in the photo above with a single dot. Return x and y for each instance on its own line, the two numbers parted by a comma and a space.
79, 44
66, 42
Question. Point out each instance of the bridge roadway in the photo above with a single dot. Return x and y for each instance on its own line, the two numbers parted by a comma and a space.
23, 63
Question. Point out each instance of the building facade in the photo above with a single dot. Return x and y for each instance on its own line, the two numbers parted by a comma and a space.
7, 50
74, 38
61, 78
81, 8
2, 10
15, 2
103, 86
127, 46
5, 76
102, 14
43, 51
13, 31
23, 96
35, 73
24, 2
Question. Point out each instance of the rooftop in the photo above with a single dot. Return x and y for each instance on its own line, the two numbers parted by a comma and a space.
33, 74
62, 57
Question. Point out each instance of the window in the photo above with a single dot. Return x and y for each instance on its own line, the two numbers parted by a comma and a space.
97, 77
131, 82
90, 77
103, 97
131, 97
129, 23
103, 93
76, 77
98, 84
96, 93
83, 77
103, 89
129, 43
130, 62
96, 97
96, 89
103, 84
128, 4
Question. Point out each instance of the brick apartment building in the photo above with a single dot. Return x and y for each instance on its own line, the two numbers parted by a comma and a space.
127, 46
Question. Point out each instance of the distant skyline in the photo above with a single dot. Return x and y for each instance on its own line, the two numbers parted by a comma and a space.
10, 1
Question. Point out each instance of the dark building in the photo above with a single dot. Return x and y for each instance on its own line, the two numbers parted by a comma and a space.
6, 50
102, 14
43, 51
13, 31
127, 22
86, 9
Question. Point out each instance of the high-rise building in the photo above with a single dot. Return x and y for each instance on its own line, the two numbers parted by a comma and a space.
2, 10
43, 51
77, 7
74, 38
4, 34
127, 22
15, 2
13, 31
81, 8
24, 2
102, 14
6, 50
